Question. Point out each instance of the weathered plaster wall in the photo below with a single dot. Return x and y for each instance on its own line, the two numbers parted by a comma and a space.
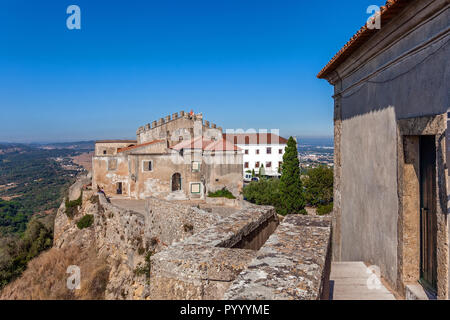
369, 190
401, 73
108, 179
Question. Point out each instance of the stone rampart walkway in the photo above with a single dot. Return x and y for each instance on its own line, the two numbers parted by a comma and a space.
355, 281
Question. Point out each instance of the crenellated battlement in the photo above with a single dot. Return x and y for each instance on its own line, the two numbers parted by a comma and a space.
175, 117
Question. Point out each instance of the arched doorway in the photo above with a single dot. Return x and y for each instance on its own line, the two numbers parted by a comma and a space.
176, 182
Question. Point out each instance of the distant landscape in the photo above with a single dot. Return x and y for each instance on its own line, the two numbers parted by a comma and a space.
33, 179
315, 151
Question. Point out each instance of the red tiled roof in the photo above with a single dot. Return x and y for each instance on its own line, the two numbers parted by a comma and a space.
388, 12
254, 138
139, 145
206, 144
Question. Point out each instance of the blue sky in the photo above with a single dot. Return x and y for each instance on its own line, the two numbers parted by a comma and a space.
243, 63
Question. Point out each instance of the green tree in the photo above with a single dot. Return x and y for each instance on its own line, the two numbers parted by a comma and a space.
262, 171
319, 186
292, 199
253, 173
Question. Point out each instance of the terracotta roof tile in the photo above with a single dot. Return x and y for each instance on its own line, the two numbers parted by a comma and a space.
387, 12
139, 145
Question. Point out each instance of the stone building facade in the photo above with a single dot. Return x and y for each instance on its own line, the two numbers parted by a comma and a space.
392, 95
178, 157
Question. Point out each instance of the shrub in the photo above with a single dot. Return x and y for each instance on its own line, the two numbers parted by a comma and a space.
72, 206
85, 222
144, 270
325, 209
319, 186
223, 193
263, 192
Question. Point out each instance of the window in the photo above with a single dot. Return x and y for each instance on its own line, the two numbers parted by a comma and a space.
180, 138
246, 165
268, 164
257, 164
280, 151
269, 150
104, 151
247, 140
246, 151
147, 165
112, 164
257, 151
195, 166
279, 164
195, 187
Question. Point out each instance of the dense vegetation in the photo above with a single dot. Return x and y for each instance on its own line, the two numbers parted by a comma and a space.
319, 189
222, 193
16, 252
291, 193
34, 182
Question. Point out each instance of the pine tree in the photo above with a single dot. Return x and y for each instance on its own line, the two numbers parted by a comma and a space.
253, 173
292, 199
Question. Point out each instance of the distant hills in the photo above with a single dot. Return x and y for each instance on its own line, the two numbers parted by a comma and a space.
8, 147
315, 141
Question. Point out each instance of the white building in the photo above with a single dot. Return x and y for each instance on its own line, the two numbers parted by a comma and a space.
260, 149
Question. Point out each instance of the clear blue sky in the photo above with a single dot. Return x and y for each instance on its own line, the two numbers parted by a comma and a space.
243, 63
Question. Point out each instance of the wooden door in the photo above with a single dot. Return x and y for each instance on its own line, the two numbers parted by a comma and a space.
428, 222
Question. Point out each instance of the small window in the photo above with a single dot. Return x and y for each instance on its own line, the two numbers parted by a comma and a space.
247, 140
257, 151
195, 166
257, 164
147, 165
246, 151
112, 164
268, 164
280, 151
104, 151
269, 150
195, 188
180, 138
246, 165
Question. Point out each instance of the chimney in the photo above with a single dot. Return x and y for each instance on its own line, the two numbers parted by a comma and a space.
160, 121
174, 116
207, 124
154, 124
167, 119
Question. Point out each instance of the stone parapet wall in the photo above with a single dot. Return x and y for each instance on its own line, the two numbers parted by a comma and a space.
203, 266
294, 263
169, 222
